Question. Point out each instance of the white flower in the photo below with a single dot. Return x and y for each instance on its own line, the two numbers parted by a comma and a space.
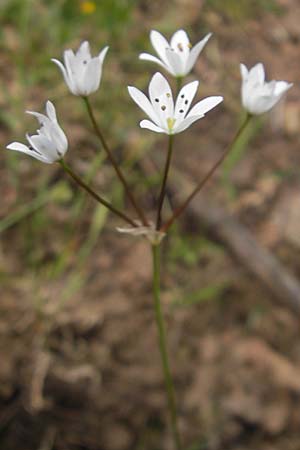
177, 57
81, 72
165, 116
259, 96
50, 143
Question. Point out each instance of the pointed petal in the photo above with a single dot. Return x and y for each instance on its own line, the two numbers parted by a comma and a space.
102, 54
195, 52
51, 112
67, 79
205, 105
244, 72
59, 139
92, 77
142, 101
151, 126
257, 73
40, 117
159, 44
83, 53
44, 147
181, 38
187, 122
175, 62
161, 98
148, 57
158, 86
184, 100
281, 87
17, 146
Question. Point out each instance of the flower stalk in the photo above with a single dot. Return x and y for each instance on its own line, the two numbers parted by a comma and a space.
164, 182
163, 347
97, 197
207, 177
113, 161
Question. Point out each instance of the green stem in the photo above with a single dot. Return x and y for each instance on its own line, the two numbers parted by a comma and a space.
179, 81
202, 183
164, 182
163, 346
97, 197
114, 162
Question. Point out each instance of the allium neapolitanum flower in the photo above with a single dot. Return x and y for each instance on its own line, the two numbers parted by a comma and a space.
50, 143
177, 57
81, 72
165, 116
259, 96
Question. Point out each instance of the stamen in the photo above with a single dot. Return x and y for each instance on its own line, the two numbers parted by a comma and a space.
189, 45
180, 47
168, 95
163, 107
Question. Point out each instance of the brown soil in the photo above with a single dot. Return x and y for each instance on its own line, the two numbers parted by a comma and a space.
87, 376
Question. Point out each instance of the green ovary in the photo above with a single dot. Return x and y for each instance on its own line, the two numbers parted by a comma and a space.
171, 123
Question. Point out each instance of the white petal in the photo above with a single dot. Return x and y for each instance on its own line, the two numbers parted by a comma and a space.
205, 105
186, 123
44, 146
257, 73
195, 52
83, 53
159, 44
74, 71
180, 38
92, 76
142, 101
70, 62
103, 53
17, 146
151, 126
244, 72
175, 62
50, 109
40, 117
148, 57
184, 99
58, 137
161, 98
65, 74
158, 86
281, 87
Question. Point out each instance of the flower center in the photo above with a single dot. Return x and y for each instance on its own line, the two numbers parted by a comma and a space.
171, 123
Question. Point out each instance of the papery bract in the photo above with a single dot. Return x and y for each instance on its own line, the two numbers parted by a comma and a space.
50, 143
177, 57
259, 96
165, 116
81, 72
150, 232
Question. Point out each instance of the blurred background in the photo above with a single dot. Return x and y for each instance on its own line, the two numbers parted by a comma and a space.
79, 365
